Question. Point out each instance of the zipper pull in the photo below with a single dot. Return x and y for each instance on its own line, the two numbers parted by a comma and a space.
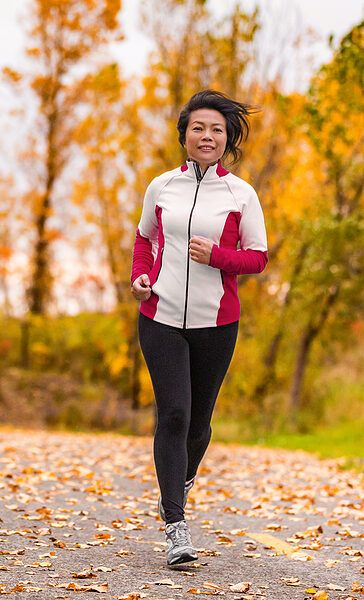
198, 173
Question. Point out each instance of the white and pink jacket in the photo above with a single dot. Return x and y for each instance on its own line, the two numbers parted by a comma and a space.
182, 203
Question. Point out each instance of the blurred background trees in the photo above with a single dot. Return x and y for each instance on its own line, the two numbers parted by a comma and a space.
69, 349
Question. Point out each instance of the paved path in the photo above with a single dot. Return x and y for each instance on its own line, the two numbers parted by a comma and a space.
79, 510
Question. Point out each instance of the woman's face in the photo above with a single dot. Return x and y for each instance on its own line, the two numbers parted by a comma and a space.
206, 136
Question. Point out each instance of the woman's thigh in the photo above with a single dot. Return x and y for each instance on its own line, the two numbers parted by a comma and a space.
211, 351
166, 353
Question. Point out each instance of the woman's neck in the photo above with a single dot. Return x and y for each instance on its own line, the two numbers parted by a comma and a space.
204, 166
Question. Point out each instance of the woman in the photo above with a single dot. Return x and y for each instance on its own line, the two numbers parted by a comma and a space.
184, 272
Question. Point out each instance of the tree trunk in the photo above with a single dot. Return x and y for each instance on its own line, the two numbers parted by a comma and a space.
312, 330
271, 355
41, 283
24, 343
38, 289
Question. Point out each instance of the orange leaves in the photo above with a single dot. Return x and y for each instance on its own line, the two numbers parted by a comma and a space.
5, 252
11, 76
75, 587
99, 487
23, 586
108, 516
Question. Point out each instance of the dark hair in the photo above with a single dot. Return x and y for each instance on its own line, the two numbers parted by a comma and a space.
235, 113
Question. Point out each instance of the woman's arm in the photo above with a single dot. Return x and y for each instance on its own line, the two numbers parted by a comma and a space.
238, 262
142, 256
252, 257
146, 233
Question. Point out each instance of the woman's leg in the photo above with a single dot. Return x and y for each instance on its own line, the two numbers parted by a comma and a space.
166, 353
211, 351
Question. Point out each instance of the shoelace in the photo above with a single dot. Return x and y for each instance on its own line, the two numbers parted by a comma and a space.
181, 533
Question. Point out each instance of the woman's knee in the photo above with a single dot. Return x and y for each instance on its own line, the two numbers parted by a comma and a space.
175, 421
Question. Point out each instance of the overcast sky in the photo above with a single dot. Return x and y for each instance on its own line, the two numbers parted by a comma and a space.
325, 16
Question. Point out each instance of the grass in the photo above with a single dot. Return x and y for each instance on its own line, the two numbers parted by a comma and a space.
345, 440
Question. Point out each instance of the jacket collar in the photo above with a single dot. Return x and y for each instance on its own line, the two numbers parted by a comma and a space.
191, 169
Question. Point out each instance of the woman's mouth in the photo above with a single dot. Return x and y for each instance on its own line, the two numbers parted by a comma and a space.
205, 148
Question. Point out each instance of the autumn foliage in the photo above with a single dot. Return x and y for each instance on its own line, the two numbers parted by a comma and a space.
95, 140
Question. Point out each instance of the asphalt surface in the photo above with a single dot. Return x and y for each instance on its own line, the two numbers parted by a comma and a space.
80, 510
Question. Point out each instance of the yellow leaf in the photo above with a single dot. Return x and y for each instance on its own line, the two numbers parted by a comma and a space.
270, 541
320, 595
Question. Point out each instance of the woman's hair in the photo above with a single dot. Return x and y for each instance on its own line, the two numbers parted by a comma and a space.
235, 113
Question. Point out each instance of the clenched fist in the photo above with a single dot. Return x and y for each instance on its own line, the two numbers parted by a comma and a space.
200, 249
141, 289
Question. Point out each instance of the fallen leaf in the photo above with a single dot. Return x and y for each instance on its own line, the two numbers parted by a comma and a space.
168, 582
356, 586
332, 586
277, 544
206, 593
238, 532
320, 595
212, 586
243, 586
331, 562
298, 555
223, 539
132, 596
291, 580
93, 587
276, 526
86, 573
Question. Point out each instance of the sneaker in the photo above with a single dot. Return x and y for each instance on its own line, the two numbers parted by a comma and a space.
188, 486
179, 544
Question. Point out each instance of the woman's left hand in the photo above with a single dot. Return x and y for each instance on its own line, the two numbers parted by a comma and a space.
200, 249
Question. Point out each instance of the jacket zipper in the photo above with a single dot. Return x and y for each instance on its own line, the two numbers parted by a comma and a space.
199, 177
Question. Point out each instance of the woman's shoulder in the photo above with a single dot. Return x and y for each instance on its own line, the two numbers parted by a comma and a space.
242, 190
166, 175
159, 181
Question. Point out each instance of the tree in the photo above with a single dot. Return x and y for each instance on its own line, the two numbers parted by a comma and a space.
335, 268
64, 34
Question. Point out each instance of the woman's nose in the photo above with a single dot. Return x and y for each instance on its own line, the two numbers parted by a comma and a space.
207, 136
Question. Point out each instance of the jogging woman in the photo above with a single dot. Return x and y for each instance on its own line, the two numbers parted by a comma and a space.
184, 272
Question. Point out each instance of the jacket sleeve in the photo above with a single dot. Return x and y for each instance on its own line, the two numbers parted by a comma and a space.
146, 235
252, 256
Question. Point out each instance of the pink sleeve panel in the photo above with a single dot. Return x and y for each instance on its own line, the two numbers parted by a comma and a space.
238, 262
142, 256
146, 233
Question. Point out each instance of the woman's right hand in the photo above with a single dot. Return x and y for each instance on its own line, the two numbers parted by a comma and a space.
141, 287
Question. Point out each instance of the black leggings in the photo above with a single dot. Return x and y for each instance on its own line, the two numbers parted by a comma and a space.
187, 368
